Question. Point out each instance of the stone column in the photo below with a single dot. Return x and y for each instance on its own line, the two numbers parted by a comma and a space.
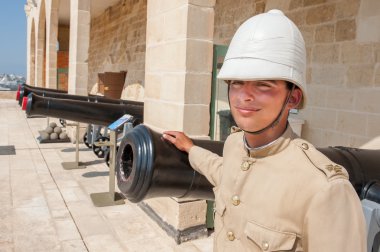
40, 45
177, 92
80, 19
30, 44
51, 43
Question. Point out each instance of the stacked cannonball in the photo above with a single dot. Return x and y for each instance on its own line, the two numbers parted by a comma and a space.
53, 132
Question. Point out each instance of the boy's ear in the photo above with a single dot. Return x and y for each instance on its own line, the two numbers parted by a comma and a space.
295, 98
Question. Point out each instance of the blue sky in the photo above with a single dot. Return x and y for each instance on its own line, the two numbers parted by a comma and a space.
13, 37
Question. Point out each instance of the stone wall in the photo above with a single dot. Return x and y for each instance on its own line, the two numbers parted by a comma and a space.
8, 95
229, 15
117, 42
343, 73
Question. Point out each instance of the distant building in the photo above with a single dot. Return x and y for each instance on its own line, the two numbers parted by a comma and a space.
10, 82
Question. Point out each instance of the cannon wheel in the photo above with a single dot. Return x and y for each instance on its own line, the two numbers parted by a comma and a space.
107, 156
85, 141
100, 151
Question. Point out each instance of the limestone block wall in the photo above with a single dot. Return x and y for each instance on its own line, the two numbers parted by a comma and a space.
229, 15
117, 42
343, 72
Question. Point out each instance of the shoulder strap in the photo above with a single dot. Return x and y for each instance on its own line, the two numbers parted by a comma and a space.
320, 161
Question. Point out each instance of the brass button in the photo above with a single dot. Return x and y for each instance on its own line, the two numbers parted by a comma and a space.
265, 246
245, 166
235, 200
305, 146
230, 235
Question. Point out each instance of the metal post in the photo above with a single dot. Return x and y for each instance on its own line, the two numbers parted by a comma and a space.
76, 164
112, 162
111, 197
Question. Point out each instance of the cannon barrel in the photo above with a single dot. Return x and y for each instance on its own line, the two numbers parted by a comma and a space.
60, 95
149, 167
92, 98
82, 111
25, 90
41, 88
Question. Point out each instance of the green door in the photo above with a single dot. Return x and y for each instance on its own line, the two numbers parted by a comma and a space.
220, 113
221, 120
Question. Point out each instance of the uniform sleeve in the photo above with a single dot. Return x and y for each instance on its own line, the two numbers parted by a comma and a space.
207, 163
334, 221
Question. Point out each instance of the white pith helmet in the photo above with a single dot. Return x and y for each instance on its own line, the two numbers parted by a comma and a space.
268, 46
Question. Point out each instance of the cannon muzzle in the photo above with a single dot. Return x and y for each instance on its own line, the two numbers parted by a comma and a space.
148, 167
82, 111
25, 90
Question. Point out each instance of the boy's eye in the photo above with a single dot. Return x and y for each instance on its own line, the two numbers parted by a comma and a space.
264, 84
236, 83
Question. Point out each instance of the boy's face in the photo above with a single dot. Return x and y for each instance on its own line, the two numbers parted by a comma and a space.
256, 104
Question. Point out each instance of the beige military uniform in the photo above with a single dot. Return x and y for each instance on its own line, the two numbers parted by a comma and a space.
284, 197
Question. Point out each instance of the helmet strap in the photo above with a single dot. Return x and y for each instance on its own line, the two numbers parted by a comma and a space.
278, 118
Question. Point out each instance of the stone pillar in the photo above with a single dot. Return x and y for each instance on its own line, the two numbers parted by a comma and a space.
80, 19
40, 45
30, 45
51, 43
178, 69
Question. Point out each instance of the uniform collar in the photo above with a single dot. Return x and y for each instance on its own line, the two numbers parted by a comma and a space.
273, 147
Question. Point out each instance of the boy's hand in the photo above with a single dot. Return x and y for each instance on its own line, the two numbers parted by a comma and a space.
179, 139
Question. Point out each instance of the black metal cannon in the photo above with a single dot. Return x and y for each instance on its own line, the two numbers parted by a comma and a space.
91, 98
149, 167
25, 90
83, 111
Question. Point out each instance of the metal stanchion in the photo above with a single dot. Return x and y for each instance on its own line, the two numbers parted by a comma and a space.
111, 197
76, 164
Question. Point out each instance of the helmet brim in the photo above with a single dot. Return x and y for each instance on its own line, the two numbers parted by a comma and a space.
244, 68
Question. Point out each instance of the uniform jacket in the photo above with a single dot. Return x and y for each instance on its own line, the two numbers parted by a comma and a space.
284, 197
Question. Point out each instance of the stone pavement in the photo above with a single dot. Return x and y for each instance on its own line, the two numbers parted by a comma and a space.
46, 208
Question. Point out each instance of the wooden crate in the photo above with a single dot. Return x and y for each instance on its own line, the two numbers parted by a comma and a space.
111, 84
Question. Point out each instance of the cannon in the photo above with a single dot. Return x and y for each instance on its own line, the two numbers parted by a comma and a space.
94, 113
24, 90
82, 111
148, 167
88, 138
91, 98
